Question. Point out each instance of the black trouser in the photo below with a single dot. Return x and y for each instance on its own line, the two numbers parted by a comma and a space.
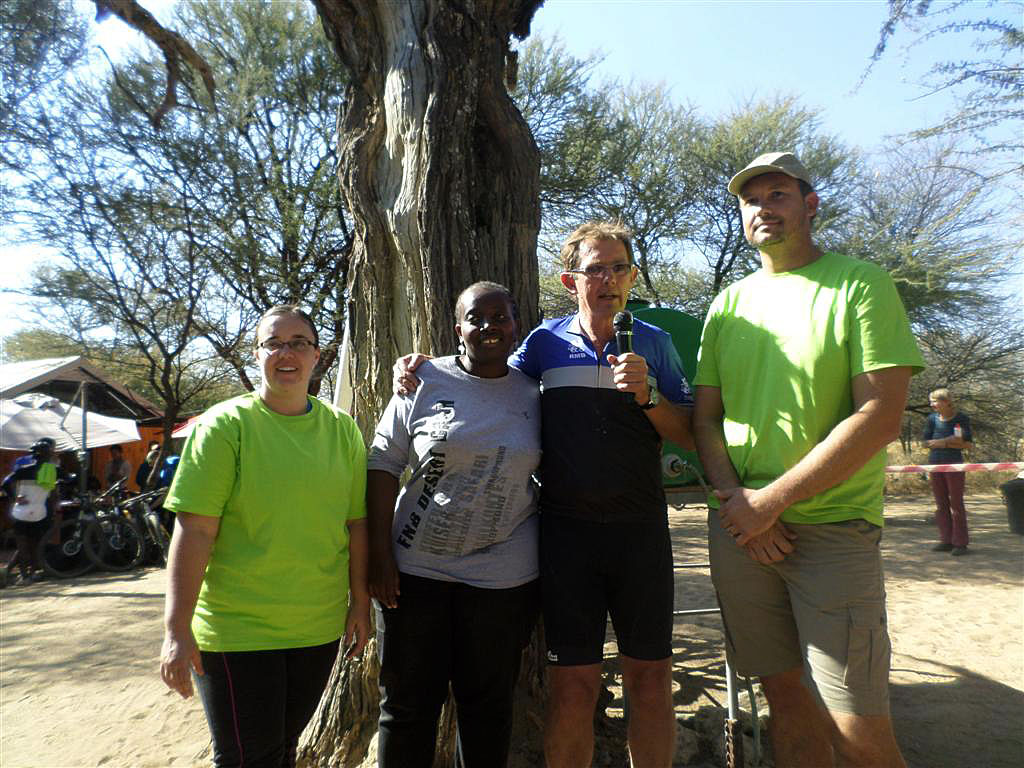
27, 535
258, 702
447, 632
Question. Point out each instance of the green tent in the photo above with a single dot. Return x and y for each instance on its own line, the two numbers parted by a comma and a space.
679, 467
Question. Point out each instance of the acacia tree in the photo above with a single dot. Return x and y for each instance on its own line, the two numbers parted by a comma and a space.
114, 281
113, 273
608, 152
573, 124
988, 85
726, 146
40, 40
252, 171
246, 180
649, 176
935, 229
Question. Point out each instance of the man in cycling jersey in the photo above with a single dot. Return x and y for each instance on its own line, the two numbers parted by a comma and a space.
605, 547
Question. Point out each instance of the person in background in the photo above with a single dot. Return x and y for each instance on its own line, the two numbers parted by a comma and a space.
268, 561
146, 467
946, 433
453, 563
118, 468
168, 468
32, 487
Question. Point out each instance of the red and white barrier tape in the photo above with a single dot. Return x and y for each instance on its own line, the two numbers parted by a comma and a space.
993, 467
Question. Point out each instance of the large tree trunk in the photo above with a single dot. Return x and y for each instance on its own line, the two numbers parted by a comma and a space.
441, 175
439, 171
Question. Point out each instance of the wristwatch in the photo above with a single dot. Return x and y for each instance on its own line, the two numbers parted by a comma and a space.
654, 399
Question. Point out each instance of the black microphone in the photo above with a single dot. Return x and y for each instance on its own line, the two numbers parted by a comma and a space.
623, 324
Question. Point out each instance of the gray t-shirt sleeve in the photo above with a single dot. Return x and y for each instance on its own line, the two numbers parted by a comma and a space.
389, 451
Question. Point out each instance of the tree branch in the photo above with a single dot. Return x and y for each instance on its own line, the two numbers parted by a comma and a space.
175, 49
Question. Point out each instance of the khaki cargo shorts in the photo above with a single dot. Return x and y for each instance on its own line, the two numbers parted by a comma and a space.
822, 607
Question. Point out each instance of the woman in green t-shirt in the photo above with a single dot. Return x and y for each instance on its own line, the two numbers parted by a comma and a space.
270, 541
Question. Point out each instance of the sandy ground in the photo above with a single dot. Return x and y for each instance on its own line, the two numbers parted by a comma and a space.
78, 658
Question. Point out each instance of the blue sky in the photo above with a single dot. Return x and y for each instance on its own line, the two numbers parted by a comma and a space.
713, 55
717, 55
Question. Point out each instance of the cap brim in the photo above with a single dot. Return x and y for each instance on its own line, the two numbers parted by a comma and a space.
736, 182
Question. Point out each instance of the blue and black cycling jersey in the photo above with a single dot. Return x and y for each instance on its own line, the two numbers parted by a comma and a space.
602, 455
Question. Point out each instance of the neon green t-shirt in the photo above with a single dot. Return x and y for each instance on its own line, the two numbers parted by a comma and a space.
783, 349
284, 488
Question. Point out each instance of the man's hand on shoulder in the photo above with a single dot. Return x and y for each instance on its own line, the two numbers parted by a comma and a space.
746, 513
403, 381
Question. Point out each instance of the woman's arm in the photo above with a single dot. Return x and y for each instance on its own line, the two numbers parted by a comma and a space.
189, 554
381, 493
357, 626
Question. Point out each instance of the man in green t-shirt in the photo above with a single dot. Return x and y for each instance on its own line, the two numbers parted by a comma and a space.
803, 375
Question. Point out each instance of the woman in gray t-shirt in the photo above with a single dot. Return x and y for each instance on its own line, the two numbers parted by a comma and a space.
453, 557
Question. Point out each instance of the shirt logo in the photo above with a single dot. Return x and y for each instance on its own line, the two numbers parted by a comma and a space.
438, 424
576, 350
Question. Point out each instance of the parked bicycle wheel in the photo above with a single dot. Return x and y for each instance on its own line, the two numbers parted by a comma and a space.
114, 542
62, 550
161, 540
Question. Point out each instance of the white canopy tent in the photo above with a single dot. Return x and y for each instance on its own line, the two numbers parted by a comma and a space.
31, 416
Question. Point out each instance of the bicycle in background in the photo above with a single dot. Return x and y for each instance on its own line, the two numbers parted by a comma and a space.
63, 552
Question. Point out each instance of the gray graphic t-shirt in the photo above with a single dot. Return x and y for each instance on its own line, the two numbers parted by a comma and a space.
469, 511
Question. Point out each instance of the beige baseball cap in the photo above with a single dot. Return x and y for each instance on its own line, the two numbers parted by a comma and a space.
772, 162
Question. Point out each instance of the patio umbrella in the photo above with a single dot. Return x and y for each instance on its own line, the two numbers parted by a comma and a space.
29, 417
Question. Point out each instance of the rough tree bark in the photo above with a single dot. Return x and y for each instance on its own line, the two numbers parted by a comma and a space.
441, 175
438, 168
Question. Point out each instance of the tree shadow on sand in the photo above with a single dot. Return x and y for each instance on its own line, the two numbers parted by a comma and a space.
928, 722
995, 553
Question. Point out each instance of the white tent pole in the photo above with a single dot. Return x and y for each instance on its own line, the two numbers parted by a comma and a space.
83, 453
343, 394
78, 393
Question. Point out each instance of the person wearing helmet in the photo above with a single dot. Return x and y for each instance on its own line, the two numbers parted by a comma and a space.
32, 487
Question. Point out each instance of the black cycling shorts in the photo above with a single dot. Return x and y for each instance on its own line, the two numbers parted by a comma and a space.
32, 529
590, 570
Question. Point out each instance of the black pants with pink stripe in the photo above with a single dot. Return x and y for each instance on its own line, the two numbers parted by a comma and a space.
258, 702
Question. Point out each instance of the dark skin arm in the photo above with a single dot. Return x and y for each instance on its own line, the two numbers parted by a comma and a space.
381, 493
948, 442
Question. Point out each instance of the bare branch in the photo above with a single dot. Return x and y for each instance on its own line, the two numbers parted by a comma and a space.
175, 49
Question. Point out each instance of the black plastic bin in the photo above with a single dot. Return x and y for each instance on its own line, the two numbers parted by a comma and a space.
1013, 495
